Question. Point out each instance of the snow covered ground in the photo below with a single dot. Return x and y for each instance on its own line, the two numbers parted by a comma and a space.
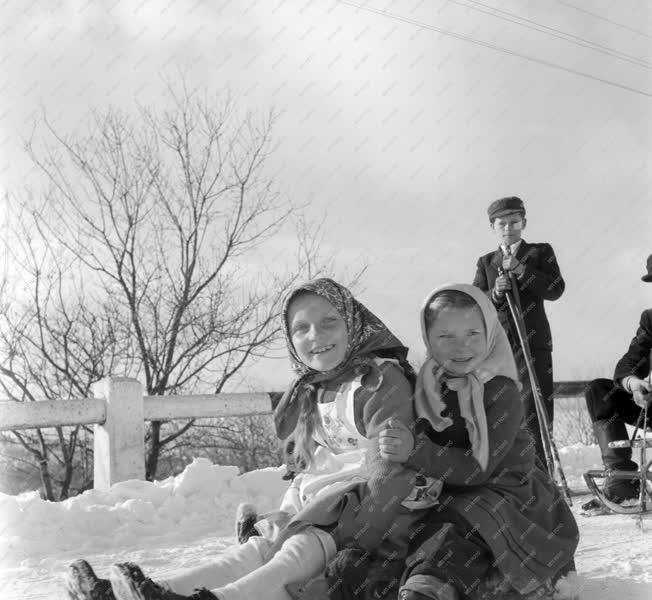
186, 520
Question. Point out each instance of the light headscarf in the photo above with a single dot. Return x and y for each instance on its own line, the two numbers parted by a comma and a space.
498, 360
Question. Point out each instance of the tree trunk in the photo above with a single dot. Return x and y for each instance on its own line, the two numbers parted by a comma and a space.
46, 480
68, 458
67, 479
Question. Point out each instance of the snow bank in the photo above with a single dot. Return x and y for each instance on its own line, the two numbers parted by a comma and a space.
576, 460
200, 500
186, 521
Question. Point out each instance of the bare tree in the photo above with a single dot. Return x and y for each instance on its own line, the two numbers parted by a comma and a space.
53, 346
166, 236
248, 442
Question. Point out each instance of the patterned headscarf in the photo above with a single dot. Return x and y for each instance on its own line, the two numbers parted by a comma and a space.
367, 337
498, 360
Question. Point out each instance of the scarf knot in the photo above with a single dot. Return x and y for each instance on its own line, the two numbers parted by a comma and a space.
455, 383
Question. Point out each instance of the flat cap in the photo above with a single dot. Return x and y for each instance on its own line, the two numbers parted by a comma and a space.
648, 276
505, 206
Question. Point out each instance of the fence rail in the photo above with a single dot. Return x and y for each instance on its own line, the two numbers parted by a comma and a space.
90, 411
30, 415
168, 408
118, 411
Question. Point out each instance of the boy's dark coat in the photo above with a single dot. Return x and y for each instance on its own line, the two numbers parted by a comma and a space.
541, 281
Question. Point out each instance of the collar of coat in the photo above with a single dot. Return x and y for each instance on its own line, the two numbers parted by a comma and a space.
522, 255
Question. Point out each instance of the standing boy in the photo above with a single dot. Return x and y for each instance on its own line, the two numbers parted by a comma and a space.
614, 402
531, 272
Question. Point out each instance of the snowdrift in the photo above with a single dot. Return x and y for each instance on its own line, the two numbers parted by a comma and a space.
187, 520
200, 500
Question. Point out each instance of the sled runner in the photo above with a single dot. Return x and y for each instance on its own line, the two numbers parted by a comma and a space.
644, 475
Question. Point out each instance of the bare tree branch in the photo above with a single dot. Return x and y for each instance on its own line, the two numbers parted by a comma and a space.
145, 257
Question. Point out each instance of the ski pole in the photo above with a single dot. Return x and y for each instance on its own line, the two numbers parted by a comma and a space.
534, 383
643, 468
551, 454
514, 303
642, 422
549, 447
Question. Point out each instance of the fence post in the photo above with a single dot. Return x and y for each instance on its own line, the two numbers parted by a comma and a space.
119, 445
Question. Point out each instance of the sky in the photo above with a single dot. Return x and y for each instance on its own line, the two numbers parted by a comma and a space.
399, 122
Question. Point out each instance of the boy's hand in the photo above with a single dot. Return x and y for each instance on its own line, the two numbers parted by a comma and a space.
641, 390
502, 285
510, 263
395, 441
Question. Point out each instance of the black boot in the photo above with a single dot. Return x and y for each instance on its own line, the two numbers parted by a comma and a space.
129, 583
245, 522
355, 574
347, 574
616, 490
83, 584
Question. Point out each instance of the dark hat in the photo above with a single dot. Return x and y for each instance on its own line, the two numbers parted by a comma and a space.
505, 206
648, 278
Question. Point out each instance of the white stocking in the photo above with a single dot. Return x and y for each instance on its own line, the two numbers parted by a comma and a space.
232, 565
302, 556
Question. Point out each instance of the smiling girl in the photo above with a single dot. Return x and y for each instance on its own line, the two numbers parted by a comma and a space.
498, 512
353, 380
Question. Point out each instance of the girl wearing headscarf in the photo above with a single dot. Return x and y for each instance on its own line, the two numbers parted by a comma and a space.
353, 379
498, 513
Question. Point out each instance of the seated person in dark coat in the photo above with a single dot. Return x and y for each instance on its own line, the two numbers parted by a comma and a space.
614, 402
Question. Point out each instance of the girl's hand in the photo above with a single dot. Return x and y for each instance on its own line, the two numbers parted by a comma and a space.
395, 441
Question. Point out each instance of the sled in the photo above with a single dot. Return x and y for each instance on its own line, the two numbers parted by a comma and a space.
644, 503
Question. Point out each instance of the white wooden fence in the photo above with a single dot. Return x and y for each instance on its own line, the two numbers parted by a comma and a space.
118, 410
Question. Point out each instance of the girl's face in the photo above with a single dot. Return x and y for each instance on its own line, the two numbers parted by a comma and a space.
318, 332
458, 340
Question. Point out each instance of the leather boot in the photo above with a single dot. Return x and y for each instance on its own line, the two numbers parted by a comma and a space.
83, 584
129, 583
611, 430
245, 522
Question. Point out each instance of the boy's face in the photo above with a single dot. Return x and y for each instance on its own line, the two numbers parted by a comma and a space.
508, 228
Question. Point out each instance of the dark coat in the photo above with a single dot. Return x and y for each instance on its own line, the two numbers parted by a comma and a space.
513, 504
636, 360
540, 281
